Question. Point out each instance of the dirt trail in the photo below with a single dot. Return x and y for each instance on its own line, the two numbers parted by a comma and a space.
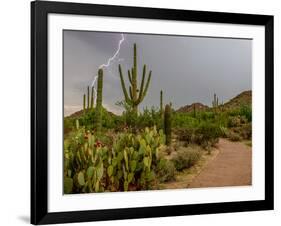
232, 166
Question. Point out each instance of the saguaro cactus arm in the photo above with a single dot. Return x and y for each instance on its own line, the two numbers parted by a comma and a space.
123, 84
141, 97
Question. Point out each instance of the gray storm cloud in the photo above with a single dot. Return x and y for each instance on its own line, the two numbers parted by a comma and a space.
187, 69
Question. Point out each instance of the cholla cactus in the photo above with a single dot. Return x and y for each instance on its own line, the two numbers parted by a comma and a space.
136, 95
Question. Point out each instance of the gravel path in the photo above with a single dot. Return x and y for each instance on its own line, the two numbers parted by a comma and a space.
231, 167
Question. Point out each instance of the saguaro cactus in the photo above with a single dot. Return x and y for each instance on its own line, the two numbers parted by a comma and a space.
136, 95
99, 101
88, 97
215, 102
168, 124
161, 102
84, 103
92, 98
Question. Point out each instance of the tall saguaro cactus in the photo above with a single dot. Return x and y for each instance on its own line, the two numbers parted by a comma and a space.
92, 98
99, 101
136, 95
215, 102
88, 97
168, 124
84, 103
161, 102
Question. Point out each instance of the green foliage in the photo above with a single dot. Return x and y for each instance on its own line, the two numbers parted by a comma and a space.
168, 124
186, 158
128, 163
206, 135
136, 95
246, 110
165, 170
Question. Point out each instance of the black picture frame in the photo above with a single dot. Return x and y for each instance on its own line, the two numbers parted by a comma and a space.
39, 116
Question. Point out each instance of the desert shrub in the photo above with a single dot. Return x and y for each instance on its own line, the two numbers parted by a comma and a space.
206, 135
68, 124
234, 136
186, 158
246, 110
246, 131
184, 120
165, 170
223, 131
130, 164
185, 134
109, 120
207, 115
149, 118
234, 121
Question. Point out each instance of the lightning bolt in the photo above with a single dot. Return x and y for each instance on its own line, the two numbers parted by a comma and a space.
107, 64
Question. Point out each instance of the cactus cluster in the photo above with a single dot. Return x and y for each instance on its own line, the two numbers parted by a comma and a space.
136, 94
89, 103
90, 166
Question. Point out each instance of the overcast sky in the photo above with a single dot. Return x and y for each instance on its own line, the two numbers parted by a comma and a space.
187, 69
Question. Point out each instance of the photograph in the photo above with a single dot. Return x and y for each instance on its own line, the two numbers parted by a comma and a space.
154, 111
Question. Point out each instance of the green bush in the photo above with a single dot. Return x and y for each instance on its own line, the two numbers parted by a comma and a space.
234, 136
234, 121
206, 135
246, 110
246, 131
165, 170
186, 158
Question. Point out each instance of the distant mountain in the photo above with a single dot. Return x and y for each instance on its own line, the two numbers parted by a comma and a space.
190, 108
243, 98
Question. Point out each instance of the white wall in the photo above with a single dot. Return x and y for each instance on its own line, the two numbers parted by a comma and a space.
14, 111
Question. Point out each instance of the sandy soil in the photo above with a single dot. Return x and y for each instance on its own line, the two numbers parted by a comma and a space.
232, 166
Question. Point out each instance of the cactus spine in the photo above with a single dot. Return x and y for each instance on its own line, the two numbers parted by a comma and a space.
99, 101
168, 124
136, 95
92, 98
84, 103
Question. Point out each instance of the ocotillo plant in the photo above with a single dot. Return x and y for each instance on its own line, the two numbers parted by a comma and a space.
88, 97
161, 102
84, 103
92, 98
168, 124
136, 95
99, 101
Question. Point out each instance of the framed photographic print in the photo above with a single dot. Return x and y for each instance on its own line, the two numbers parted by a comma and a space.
145, 112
